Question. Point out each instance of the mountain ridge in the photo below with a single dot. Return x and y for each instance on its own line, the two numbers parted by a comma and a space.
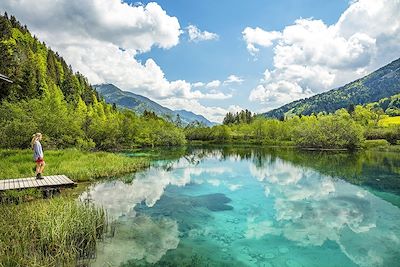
139, 103
381, 83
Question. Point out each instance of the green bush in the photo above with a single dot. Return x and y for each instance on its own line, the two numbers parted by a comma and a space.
376, 144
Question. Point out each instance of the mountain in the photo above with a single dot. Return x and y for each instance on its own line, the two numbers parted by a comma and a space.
190, 116
139, 104
380, 84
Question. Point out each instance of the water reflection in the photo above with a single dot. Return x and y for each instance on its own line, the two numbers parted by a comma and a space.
254, 207
311, 209
139, 238
120, 198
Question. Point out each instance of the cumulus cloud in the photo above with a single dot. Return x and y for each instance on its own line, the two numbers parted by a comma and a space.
233, 79
112, 21
101, 38
196, 35
213, 84
312, 57
198, 84
259, 37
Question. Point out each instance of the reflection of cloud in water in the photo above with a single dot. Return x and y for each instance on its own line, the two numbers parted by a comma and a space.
282, 173
140, 238
311, 209
119, 198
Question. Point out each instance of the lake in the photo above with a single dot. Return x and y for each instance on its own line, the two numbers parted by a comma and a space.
240, 206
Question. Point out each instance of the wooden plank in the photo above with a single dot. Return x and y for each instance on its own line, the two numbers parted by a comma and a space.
58, 180
32, 182
61, 179
55, 180
51, 180
24, 183
7, 185
13, 184
47, 180
39, 182
20, 183
35, 183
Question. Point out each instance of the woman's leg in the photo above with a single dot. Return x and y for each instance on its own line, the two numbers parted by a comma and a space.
38, 167
42, 167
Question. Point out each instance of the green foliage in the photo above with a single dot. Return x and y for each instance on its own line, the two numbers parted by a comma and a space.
328, 131
341, 130
376, 144
389, 133
244, 116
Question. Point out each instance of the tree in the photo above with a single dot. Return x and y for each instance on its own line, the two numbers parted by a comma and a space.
178, 121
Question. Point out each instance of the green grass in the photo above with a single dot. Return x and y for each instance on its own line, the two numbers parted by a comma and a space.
390, 121
77, 165
56, 232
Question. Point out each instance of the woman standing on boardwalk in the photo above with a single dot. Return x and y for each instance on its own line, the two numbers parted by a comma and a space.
38, 156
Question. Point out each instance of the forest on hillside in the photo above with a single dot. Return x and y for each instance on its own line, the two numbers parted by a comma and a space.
47, 96
381, 86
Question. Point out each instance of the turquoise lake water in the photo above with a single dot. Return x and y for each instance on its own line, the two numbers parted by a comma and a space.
254, 207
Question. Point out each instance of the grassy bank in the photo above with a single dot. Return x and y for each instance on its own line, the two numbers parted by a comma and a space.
56, 232
76, 164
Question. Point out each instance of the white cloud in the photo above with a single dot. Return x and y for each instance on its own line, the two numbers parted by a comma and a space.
233, 79
101, 38
198, 84
259, 37
213, 84
130, 27
311, 57
196, 35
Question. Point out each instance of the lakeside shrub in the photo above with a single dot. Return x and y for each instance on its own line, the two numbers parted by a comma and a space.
376, 144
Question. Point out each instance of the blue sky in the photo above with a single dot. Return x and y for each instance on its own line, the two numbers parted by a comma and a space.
217, 59
215, 56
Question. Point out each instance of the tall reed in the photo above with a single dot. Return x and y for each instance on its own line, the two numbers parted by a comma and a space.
56, 232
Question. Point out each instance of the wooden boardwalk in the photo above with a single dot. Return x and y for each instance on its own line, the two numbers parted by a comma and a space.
32, 182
